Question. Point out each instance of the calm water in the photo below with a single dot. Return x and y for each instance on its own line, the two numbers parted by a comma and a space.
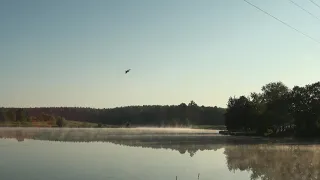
150, 154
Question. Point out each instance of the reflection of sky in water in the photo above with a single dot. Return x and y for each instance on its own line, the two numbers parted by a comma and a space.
74, 154
76, 161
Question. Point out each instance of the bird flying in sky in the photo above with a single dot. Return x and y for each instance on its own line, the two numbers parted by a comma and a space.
127, 71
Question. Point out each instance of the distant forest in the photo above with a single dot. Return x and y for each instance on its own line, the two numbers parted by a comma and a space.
151, 115
277, 111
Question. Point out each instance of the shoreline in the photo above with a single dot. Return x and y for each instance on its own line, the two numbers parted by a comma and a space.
270, 136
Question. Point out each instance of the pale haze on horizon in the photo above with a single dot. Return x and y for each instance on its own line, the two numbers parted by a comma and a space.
75, 52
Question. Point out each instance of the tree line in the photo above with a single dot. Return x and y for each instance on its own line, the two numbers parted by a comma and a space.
276, 110
20, 115
174, 115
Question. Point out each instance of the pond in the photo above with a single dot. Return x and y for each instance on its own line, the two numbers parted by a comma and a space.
151, 154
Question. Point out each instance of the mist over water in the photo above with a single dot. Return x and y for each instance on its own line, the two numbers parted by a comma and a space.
151, 153
140, 131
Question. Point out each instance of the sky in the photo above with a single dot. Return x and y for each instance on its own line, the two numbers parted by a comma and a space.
74, 52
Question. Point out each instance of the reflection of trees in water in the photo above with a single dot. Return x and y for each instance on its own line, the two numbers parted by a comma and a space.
277, 162
189, 147
19, 136
190, 144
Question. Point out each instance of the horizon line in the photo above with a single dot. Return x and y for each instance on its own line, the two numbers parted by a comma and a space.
84, 107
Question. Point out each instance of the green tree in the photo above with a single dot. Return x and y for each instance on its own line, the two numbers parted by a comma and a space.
274, 91
10, 115
276, 104
60, 121
4, 115
305, 108
193, 112
22, 115
240, 114
46, 117
183, 113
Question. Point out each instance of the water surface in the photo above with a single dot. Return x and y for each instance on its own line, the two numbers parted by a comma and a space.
151, 154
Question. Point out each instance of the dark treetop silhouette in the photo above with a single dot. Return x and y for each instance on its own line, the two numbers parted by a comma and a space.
277, 111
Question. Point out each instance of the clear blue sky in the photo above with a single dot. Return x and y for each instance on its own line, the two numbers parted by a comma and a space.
75, 52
